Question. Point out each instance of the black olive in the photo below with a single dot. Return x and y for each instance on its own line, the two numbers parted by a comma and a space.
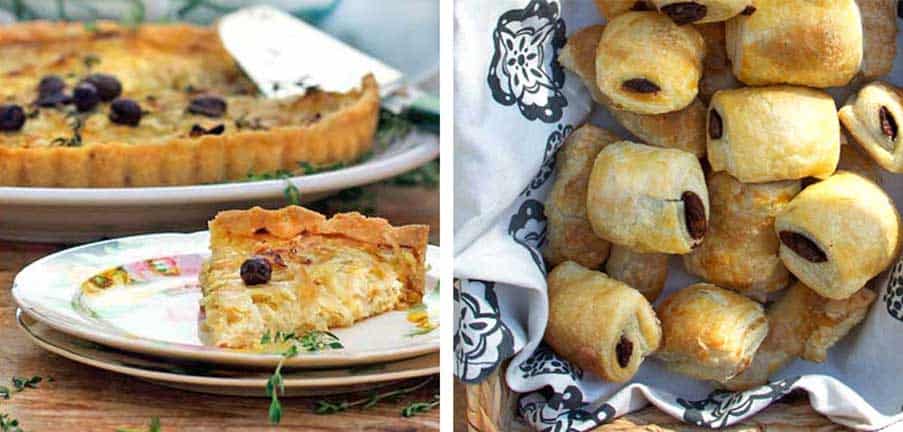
125, 112
108, 87
53, 99
51, 84
208, 105
198, 130
256, 271
85, 96
12, 118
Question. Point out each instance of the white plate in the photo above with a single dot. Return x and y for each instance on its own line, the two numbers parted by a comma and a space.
205, 378
157, 312
77, 215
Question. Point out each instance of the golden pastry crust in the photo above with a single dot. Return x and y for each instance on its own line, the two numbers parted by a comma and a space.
879, 33
162, 67
854, 160
683, 129
811, 43
612, 8
701, 11
599, 323
838, 234
570, 235
647, 198
645, 273
716, 67
740, 250
872, 116
710, 333
802, 324
647, 64
763, 134
325, 272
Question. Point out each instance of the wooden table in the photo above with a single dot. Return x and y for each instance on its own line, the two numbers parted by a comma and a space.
82, 398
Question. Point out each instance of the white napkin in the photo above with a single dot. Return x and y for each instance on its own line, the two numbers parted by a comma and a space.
513, 109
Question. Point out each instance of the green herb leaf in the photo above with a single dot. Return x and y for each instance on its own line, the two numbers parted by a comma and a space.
292, 194
9, 424
328, 407
21, 384
4, 392
415, 408
426, 176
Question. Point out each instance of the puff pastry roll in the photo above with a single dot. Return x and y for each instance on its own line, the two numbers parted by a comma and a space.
852, 159
645, 272
702, 11
879, 33
612, 8
763, 134
815, 43
647, 64
740, 250
683, 129
710, 333
570, 235
716, 67
838, 233
599, 323
872, 117
802, 324
647, 198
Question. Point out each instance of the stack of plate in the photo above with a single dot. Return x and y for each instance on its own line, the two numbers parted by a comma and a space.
147, 324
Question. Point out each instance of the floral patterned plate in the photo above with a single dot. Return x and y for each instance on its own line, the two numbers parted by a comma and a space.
140, 294
206, 378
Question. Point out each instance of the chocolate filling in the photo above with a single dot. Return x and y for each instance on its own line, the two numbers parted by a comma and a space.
803, 247
694, 213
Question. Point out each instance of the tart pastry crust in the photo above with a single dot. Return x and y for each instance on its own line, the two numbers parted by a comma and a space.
570, 235
763, 134
873, 116
740, 250
320, 128
325, 272
710, 333
838, 234
599, 323
647, 64
683, 129
809, 43
647, 198
802, 324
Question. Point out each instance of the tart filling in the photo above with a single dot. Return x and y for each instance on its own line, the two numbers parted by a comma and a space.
157, 105
293, 270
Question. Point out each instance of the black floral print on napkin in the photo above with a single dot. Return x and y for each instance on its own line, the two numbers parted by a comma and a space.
482, 340
524, 68
723, 408
550, 411
893, 295
528, 228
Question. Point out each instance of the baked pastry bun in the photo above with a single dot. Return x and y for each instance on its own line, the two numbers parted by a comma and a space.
710, 333
853, 159
645, 272
872, 116
879, 36
647, 64
716, 67
763, 134
570, 236
612, 8
740, 250
647, 198
683, 129
815, 43
599, 323
838, 233
802, 324
702, 11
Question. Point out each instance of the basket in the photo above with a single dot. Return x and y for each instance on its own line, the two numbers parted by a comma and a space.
491, 407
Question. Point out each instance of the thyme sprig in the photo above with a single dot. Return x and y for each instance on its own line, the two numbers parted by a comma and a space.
9, 424
415, 407
311, 341
154, 426
331, 407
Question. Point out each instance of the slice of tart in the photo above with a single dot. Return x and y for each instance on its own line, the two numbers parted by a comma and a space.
157, 105
294, 270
